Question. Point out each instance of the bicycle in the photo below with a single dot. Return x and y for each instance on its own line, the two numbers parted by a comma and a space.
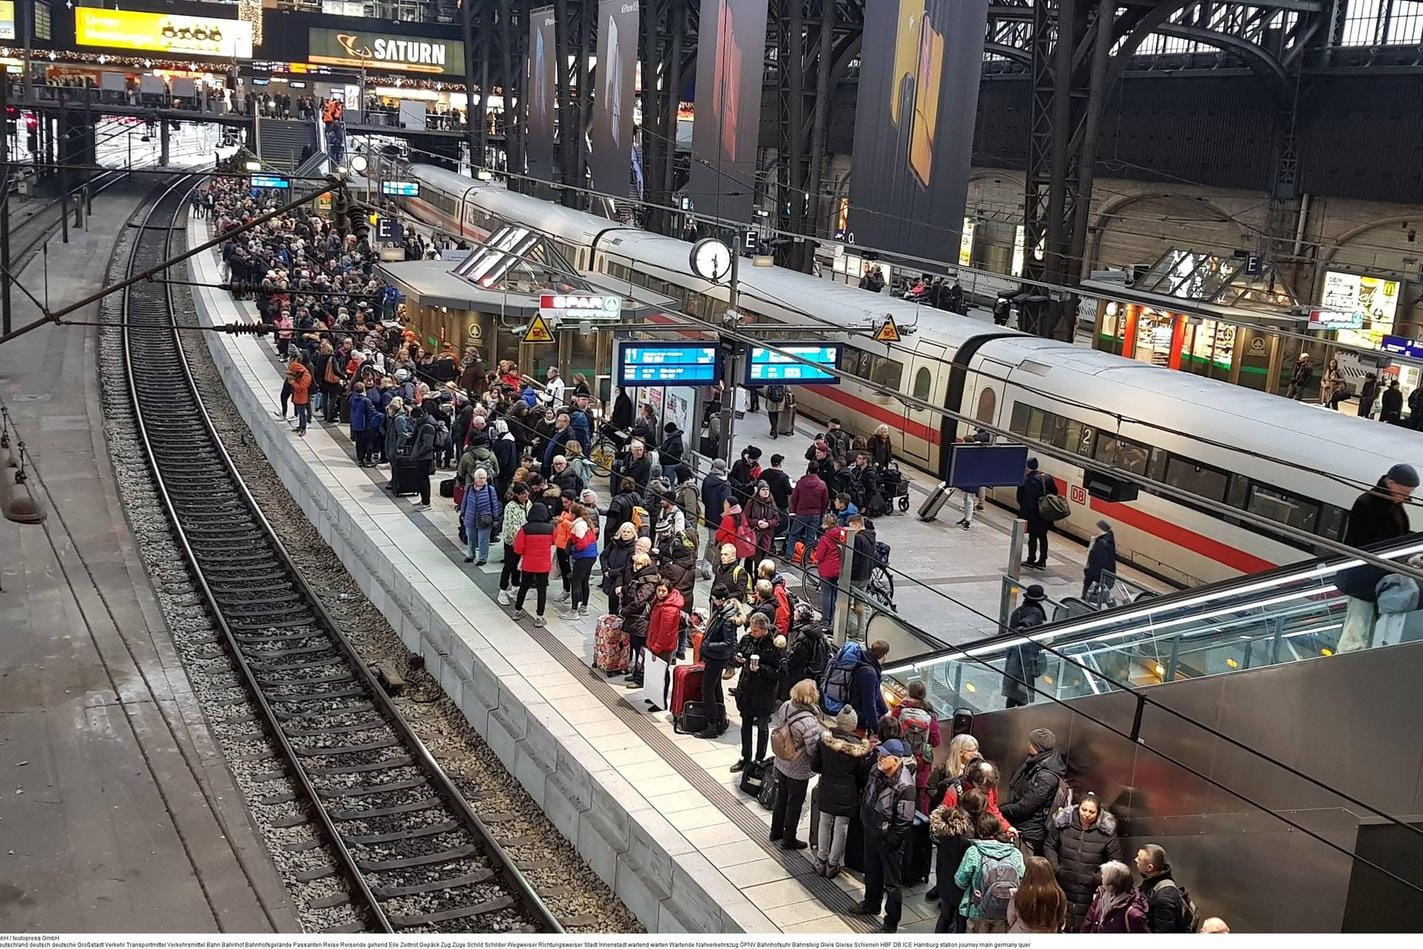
878, 591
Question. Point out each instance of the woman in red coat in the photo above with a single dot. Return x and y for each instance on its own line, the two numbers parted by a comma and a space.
827, 560
666, 621
534, 545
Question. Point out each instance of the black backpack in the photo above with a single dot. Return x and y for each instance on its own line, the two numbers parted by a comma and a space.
776, 393
1189, 915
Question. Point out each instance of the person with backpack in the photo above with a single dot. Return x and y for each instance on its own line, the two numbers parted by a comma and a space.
809, 653
1172, 909
534, 545
853, 678
583, 554
1024, 662
677, 563
1034, 789
766, 570
635, 608
795, 733
862, 565
951, 826
761, 663
842, 760
671, 450
887, 816
617, 560
479, 509
1117, 906
920, 723
516, 512
715, 490
422, 453
1036, 485
991, 869
775, 402
718, 647
1079, 841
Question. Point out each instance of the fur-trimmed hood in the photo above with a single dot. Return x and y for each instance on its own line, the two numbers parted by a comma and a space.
851, 745
1067, 817
949, 822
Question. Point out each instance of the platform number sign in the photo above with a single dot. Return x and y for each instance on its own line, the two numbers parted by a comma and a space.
1078, 494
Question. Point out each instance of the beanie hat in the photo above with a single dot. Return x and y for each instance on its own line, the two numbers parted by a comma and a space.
719, 466
1032, 464
1104, 525
847, 720
1042, 739
1405, 475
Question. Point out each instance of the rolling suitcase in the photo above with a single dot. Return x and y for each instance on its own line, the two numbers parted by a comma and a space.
447, 488
611, 646
934, 502
918, 853
785, 424
408, 476
686, 684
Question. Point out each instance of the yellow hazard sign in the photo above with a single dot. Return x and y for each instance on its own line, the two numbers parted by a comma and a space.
888, 331
539, 330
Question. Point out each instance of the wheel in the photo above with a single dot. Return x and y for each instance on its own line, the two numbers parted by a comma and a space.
882, 587
603, 455
903, 503
810, 586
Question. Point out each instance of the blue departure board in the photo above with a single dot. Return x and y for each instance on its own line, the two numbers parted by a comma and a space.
400, 189
673, 364
271, 181
767, 366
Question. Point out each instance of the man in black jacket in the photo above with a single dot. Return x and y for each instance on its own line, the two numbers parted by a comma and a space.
1378, 515
1033, 789
1169, 909
1036, 485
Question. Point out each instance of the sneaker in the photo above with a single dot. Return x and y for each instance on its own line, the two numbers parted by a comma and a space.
519, 614
568, 615
739, 767
794, 844
469, 560
540, 622
634, 684
583, 611
504, 598
421, 506
967, 525
480, 562
565, 596
280, 415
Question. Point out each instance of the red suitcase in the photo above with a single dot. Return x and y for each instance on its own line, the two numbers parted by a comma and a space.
611, 647
686, 685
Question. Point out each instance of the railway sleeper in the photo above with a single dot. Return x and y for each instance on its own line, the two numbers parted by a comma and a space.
307, 751
287, 715
346, 793
317, 680
462, 912
469, 879
428, 804
318, 696
430, 830
423, 860
364, 726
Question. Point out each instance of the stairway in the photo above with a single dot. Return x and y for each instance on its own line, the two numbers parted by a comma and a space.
281, 142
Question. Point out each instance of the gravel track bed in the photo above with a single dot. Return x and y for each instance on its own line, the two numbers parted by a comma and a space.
575, 891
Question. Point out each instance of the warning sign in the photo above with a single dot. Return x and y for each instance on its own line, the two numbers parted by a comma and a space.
538, 331
888, 331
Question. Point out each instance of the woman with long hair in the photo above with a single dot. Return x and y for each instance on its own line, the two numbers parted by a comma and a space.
1039, 905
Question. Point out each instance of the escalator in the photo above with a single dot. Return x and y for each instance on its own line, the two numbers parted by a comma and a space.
1282, 778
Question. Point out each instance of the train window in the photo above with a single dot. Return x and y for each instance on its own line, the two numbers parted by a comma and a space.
923, 379
1156, 467
1028, 421
1331, 521
1283, 506
885, 372
1123, 453
1201, 480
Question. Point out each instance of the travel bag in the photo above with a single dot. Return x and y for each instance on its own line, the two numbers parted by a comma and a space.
611, 647
686, 684
447, 488
408, 475
692, 720
934, 502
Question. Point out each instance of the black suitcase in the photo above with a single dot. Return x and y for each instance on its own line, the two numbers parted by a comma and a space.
692, 720
447, 488
409, 475
934, 502
855, 845
918, 854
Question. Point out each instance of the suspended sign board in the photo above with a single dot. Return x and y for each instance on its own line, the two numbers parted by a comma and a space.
673, 364
778, 366
578, 307
371, 50
163, 33
400, 189
271, 181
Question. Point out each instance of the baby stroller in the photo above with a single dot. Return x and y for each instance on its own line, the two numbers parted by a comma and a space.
894, 485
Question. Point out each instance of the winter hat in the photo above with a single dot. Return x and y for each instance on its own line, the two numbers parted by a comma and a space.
1032, 464
1403, 475
894, 747
847, 720
589, 497
719, 466
1042, 739
1104, 525
1035, 593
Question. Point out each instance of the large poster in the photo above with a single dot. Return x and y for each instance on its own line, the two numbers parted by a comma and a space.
542, 92
163, 32
914, 121
382, 52
611, 134
730, 51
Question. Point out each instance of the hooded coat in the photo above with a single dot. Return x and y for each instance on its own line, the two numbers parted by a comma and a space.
756, 690
534, 541
1077, 854
843, 763
616, 558
757, 510
1101, 557
635, 604
1373, 518
811, 647
951, 829
1031, 793
715, 490
665, 623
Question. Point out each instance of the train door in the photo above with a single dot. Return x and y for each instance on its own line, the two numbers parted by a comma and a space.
983, 400
923, 382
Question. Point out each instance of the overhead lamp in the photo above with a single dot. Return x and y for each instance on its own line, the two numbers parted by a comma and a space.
485, 174
254, 166
358, 163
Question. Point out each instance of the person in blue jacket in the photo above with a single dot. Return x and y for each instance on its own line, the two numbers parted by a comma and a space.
361, 412
479, 508
866, 693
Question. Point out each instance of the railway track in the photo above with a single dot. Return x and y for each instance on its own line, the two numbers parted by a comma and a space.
413, 854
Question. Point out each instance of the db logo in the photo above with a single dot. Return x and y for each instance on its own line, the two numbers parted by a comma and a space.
1079, 494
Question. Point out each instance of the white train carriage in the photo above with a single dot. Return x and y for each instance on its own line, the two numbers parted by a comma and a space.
1292, 463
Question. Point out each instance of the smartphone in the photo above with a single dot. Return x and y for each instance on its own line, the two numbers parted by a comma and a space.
906, 58
926, 102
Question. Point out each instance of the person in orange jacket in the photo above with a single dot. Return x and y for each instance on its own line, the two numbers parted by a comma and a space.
300, 380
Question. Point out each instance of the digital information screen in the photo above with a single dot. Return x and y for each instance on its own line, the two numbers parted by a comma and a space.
676, 364
270, 181
401, 189
769, 366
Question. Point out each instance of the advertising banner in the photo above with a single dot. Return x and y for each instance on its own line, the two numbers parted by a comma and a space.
613, 97
381, 51
7, 19
730, 52
914, 121
163, 33
1362, 307
542, 87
